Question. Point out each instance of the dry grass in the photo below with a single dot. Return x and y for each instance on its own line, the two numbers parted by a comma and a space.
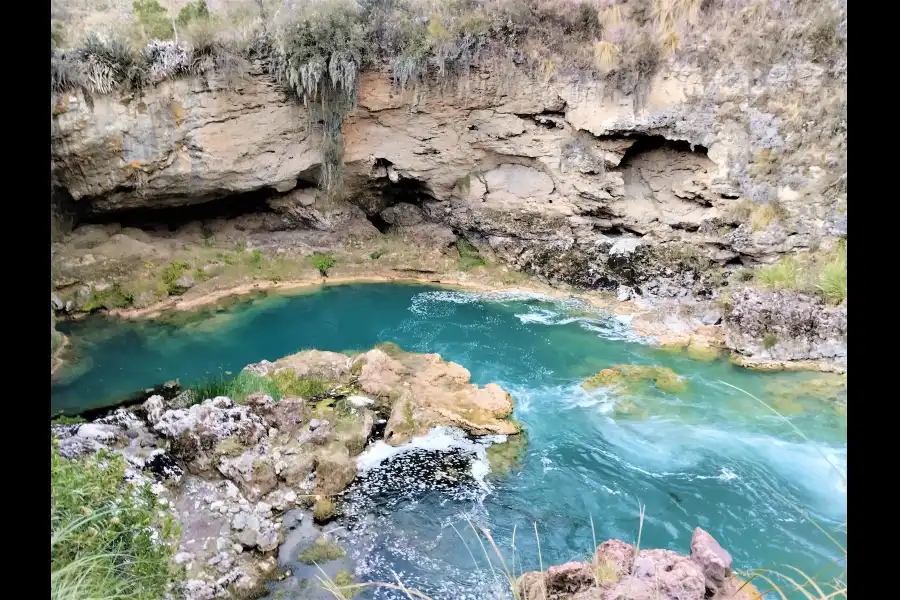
328, 42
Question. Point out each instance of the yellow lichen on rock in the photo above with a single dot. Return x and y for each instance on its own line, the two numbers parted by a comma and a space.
507, 456
624, 376
605, 378
787, 396
693, 349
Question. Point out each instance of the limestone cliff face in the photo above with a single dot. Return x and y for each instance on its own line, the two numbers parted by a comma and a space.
514, 159
563, 178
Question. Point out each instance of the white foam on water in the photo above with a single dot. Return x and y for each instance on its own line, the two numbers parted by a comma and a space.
666, 449
438, 439
726, 475
425, 302
616, 330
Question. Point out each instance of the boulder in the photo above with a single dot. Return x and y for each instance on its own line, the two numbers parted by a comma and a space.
667, 574
253, 472
714, 560
569, 578
196, 433
617, 554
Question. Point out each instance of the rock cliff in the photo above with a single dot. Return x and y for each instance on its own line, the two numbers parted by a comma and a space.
662, 193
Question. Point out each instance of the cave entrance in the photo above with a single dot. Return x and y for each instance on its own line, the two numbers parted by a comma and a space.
646, 143
171, 218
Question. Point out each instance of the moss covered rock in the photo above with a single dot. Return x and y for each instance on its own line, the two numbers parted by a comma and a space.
507, 456
627, 376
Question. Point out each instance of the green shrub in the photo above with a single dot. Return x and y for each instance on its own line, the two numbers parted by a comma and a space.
109, 298
469, 258
107, 538
322, 262
153, 18
256, 258
192, 12
171, 273
769, 340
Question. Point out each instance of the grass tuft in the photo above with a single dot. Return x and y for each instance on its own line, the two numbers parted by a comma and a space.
108, 539
67, 420
238, 388
321, 551
288, 383
323, 509
824, 274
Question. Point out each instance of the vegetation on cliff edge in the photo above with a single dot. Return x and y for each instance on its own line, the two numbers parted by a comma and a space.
823, 274
319, 50
107, 537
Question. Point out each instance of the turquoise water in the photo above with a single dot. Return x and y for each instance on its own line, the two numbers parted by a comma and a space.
708, 457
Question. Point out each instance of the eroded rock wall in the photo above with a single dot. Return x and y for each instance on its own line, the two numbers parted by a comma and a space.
563, 178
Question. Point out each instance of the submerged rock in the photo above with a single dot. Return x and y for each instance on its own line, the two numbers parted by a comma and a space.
623, 377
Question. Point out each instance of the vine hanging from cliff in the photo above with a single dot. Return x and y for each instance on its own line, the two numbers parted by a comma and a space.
320, 58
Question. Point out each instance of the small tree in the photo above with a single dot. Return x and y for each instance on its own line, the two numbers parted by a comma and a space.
322, 262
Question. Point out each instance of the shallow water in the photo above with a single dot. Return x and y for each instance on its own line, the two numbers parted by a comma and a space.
709, 457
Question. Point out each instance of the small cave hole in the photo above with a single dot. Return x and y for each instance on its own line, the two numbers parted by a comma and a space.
646, 143
378, 221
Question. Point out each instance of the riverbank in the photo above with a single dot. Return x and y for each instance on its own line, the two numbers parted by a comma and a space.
136, 274
279, 442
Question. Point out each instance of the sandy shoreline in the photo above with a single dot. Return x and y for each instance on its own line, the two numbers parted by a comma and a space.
449, 282
646, 322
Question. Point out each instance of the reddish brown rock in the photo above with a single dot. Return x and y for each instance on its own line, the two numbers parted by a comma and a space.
714, 560
569, 578
617, 554
672, 576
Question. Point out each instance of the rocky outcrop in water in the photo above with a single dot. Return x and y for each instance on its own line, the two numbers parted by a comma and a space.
229, 472
772, 328
620, 570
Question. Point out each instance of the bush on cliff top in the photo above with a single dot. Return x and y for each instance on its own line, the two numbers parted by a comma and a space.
321, 47
107, 539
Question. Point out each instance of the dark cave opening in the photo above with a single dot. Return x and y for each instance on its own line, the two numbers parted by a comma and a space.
407, 190
378, 221
171, 218
646, 143
387, 189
